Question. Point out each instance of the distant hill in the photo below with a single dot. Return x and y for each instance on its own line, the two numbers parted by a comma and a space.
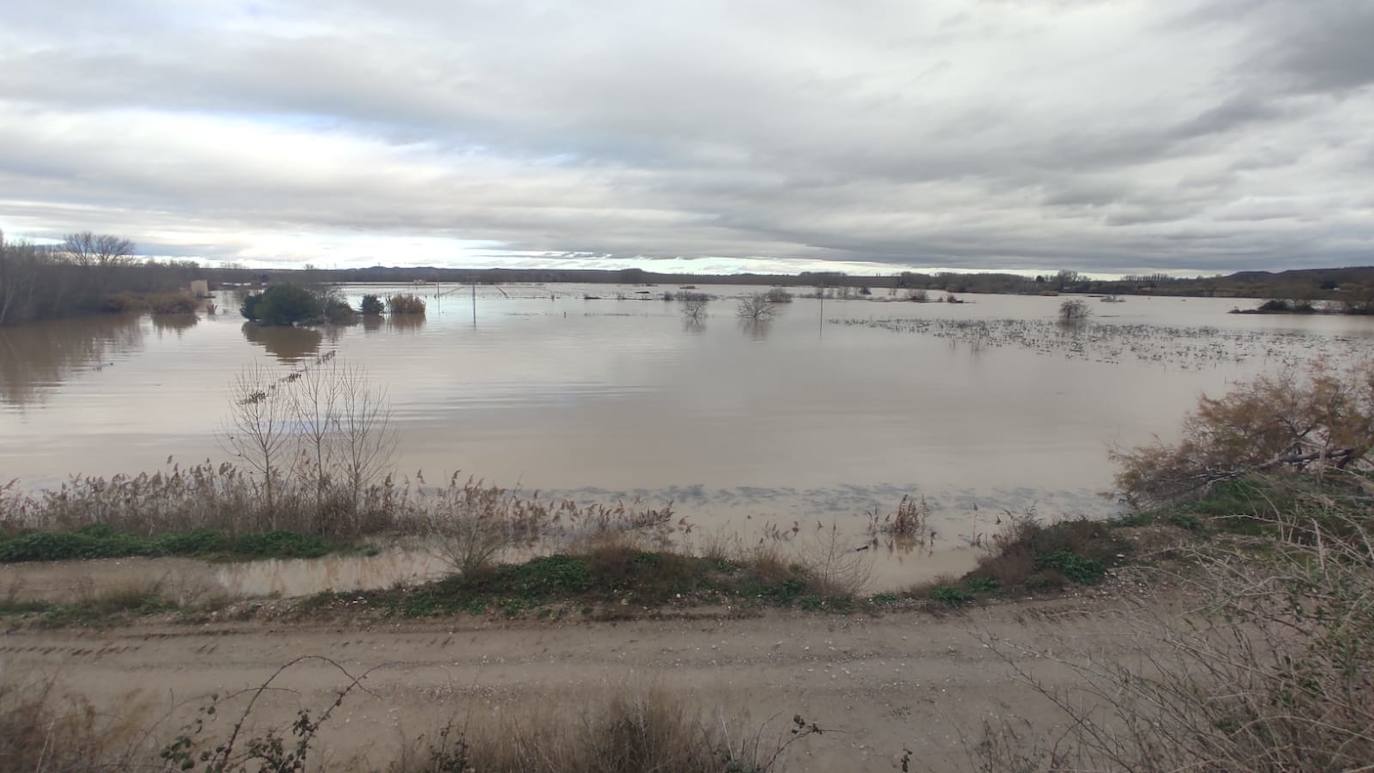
1343, 284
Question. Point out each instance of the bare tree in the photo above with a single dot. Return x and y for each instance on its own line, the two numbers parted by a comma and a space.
258, 428
88, 249
694, 306
367, 440
1073, 310
756, 307
314, 398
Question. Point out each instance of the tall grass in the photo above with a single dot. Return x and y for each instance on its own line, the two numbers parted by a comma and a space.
1271, 673
46, 731
406, 303
631, 730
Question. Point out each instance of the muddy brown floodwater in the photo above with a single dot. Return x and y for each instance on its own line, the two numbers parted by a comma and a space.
828, 411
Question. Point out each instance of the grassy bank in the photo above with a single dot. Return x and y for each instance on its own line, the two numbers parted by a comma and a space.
1030, 557
97, 608
101, 541
615, 577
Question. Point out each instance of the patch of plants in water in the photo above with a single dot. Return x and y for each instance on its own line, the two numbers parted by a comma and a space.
406, 303
1109, 342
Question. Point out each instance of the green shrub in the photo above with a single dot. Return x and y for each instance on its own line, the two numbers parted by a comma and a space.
1079, 569
279, 544
950, 595
338, 312
283, 304
372, 305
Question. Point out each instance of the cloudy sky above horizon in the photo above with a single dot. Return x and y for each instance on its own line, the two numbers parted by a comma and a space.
1112, 136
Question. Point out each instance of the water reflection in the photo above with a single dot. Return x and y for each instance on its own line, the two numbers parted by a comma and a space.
288, 344
373, 322
174, 323
757, 329
301, 577
405, 323
694, 325
35, 359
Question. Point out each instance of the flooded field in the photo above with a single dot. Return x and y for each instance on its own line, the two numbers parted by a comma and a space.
831, 410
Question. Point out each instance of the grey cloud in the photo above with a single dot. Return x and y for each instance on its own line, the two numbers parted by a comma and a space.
1092, 135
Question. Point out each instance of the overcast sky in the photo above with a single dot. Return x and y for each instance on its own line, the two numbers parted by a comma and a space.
1100, 135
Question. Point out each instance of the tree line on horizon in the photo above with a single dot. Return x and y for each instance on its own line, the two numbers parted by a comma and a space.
89, 273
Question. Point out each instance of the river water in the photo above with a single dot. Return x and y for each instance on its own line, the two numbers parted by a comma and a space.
833, 408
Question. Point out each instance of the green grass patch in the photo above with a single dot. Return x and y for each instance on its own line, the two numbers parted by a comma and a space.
104, 542
618, 575
100, 610
951, 595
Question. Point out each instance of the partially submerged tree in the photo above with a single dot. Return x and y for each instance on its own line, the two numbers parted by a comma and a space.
756, 307
1074, 310
283, 304
694, 305
372, 305
1312, 423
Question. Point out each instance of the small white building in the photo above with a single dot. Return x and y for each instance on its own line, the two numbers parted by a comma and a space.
200, 288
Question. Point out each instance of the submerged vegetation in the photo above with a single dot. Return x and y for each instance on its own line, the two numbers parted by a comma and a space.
406, 303
284, 304
1317, 423
1112, 342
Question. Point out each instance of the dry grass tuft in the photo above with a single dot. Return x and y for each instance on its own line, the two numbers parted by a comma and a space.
44, 730
632, 732
406, 303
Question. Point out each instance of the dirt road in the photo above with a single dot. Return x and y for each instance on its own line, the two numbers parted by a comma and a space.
877, 684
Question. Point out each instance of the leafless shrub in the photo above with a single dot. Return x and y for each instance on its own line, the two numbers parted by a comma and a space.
472, 524
366, 440
779, 295
1074, 310
258, 429
694, 305
756, 307
910, 523
1312, 424
839, 567
42, 729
